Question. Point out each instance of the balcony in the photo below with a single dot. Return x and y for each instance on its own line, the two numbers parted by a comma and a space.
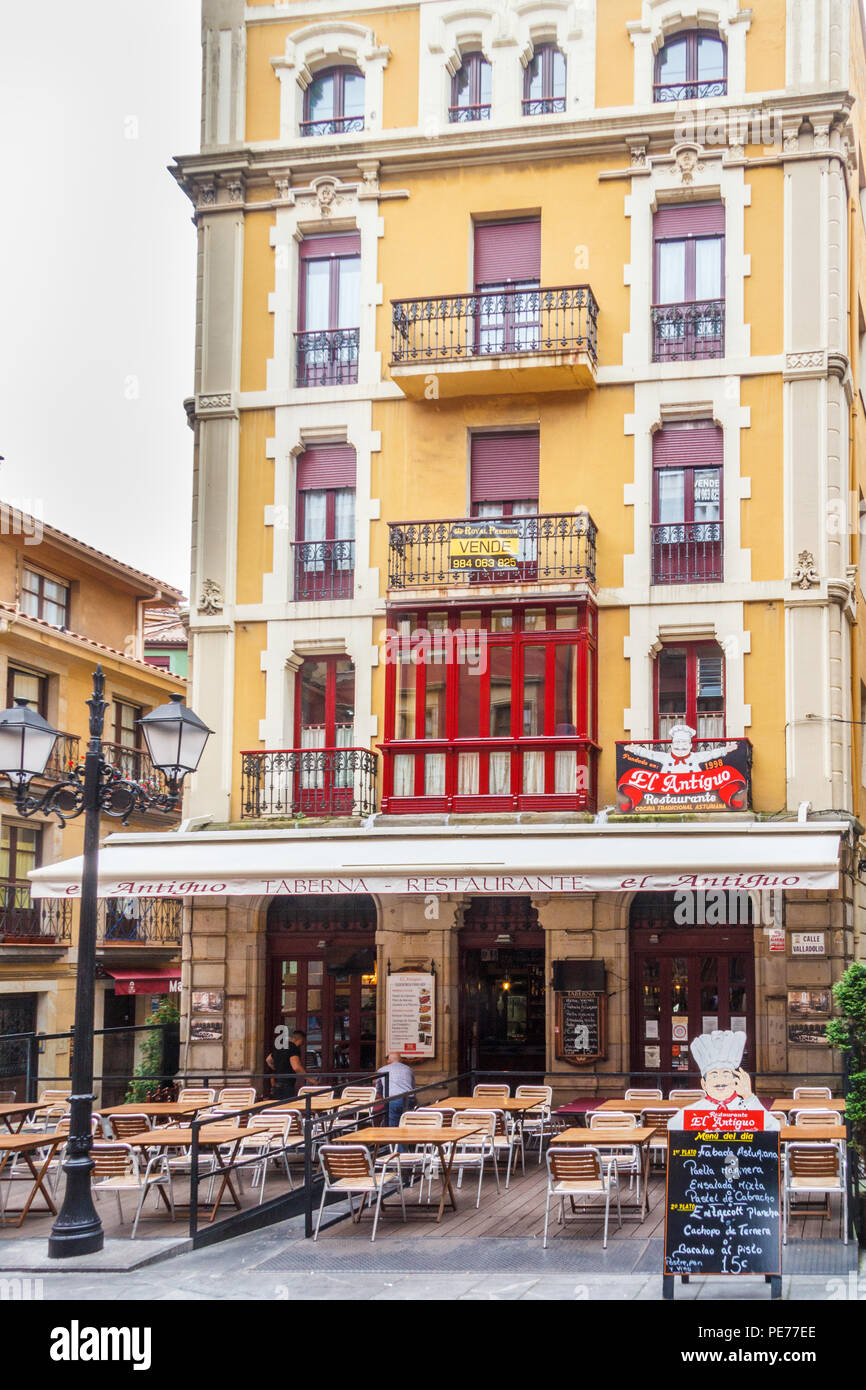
692, 332
324, 570
139, 921
689, 91
23, 922
551, 549
336, 125
485, 775
688, 553
496, 342
64, 757
134, 765
308, 781
327, 357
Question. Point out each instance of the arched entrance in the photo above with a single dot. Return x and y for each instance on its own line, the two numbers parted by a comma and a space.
502, 986
322, 978
691, 972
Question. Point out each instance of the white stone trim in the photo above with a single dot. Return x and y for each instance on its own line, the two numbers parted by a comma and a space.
325, 44
662, 18
224, 72
817, 44
649, 629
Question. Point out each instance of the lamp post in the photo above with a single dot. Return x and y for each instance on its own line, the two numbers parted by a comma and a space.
175, 739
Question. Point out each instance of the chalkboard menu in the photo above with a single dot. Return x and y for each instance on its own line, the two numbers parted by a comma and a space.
580, 1025
722, 1204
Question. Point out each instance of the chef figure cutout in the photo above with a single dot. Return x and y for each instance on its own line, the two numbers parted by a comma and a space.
727, 1088
682, 756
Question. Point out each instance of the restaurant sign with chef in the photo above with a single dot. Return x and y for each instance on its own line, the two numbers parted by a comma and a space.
682, 774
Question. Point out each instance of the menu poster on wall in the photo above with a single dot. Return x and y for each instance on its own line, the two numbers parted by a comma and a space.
580, 1029
410, 1027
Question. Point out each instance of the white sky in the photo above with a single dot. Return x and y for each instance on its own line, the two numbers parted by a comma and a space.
97, 271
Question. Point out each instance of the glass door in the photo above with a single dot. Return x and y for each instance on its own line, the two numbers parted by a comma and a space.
678, 994
337, 1013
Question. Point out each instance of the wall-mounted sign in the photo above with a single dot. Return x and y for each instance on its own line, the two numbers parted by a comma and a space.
809, 1003
580, 1027
206, 1030
488, 544
776, 938
807, 1035
677, 776
208, 1001
410, 1025
808, 943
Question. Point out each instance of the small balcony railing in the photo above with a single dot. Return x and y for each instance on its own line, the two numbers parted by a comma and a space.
689, 332
308, 781
688, 552
543, 106
327, 356
133, 764
477, 111
64, 757
507, 550
148, 921
324, 569
337, 125
455, 328
689, 91
22, 920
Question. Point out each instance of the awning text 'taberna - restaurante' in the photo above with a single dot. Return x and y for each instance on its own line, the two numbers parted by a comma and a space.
513, 859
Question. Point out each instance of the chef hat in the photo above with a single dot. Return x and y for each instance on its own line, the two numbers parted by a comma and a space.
681, 729
718, 1049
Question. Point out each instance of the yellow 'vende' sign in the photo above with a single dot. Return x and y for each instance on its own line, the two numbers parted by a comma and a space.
487, 544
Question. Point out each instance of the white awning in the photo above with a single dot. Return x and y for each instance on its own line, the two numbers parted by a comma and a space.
440, 859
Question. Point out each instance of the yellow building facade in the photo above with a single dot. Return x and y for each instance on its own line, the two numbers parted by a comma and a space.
64, 609
526, 588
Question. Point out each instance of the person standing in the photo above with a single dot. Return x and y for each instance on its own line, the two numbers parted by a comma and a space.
286, 1062
401, 1086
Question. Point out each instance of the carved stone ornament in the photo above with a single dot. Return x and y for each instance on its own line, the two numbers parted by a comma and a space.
283, 189
688, 158
326, 196
806, 574
210, 599
206, 195
235, 190
790, 138
638, 156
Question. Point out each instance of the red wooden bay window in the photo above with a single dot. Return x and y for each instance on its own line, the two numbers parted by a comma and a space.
687, 530
325, 548
491, 708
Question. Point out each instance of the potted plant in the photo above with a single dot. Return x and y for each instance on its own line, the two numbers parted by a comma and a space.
848, 1034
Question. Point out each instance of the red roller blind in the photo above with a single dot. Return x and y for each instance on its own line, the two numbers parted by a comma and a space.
504, 467
326, 465
698, 447
695, 219
313, 247
507, 251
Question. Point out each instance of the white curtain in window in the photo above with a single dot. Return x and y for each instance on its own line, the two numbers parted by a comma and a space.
312, 776
467, 774
315, 504
344, 525
434, 774
533, 774
500, 774
404, 774
566, 772
672, 272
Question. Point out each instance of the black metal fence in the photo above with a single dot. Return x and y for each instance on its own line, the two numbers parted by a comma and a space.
309, 782
454, 328
324, 570
327, 357
547, 548
42, 922
688, 332
689, 552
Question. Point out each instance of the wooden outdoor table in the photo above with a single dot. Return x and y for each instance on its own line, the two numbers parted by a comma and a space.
816, 1134
19, 1110
26, 1144
377, 1138
634, 1107
613, 1138
156, 1109
512, 1104
209, 1137
788, 1103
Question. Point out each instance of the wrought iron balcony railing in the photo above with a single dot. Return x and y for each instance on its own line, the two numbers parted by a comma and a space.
688, 332
324, 569
689, 91
64, 757
148, 921
479, 111
522, 550
133, 764
308, 781
337, 125
688, 552
22, 920
543, 106
327, 356
456, 328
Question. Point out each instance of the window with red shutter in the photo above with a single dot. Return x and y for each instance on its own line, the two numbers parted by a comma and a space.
688, 312
687, 529
507, 285
325, 547
690, 689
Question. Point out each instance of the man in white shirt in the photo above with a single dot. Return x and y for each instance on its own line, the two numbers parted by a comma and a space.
401, 1086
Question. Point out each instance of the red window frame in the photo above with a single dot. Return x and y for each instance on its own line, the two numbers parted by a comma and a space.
330, 662
548, 103
339, 121
582, 639
692, 559
332, 580
693, 79
474, 109
330, 357
693, 651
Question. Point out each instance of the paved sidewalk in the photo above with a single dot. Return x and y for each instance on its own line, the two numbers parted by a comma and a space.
278, 1264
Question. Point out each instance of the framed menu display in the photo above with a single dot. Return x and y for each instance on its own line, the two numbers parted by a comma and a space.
580, 1028
411, 1013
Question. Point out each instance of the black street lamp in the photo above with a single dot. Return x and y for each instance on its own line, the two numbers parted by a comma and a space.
175, 740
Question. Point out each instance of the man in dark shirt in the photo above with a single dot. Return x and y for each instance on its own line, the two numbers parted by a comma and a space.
286, 1062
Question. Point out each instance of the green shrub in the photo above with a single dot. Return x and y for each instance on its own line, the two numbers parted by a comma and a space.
149, 1069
